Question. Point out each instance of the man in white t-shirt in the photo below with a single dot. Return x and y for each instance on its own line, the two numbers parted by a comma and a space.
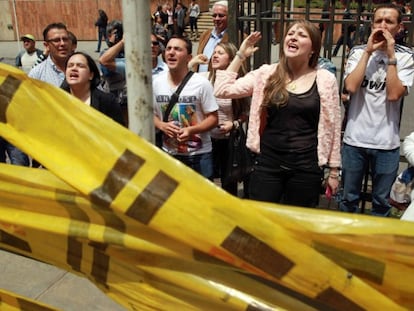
377, 76
25, 61
186, 132
27, 57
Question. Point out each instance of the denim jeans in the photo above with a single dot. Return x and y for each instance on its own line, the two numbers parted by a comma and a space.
201, 163
383, 168
16, 156
101, 34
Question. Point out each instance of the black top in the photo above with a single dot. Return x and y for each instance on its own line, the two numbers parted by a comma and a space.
107, 104
290, 137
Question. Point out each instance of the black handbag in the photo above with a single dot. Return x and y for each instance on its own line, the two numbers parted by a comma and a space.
171, 104
240, 160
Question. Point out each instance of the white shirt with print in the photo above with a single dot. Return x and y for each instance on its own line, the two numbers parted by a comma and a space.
196, 100
373, 121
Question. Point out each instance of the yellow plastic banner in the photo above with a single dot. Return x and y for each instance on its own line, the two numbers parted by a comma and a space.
122, 186
12, 302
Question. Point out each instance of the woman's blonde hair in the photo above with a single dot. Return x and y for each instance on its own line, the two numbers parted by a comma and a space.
275, 92
231, 50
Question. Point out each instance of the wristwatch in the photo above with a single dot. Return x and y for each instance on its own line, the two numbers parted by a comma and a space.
392, 61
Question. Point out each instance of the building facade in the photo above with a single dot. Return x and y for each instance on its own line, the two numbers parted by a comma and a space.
19, 17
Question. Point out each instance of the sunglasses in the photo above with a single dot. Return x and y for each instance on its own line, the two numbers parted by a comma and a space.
218, 15
155, 43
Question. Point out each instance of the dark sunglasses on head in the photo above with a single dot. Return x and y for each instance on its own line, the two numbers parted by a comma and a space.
155, 43
219, 15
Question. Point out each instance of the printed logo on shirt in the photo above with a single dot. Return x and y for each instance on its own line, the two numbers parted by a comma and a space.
184, 115
373, 84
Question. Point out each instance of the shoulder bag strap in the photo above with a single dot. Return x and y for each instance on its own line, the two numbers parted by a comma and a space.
174, 96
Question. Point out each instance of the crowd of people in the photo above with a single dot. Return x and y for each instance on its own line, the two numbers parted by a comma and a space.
290, 109
168, 20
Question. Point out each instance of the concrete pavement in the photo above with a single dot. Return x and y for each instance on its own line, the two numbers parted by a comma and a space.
51, 285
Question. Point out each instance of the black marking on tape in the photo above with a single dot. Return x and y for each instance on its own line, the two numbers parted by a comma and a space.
13, 241
74, 254
121, 173
152, 198
256, 307
74, 247
100, 264
112, 221
337, 301
7, 90
361, 266
26, 305
255, 252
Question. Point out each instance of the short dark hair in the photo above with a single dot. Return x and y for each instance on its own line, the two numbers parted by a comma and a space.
390, 6
92, 67
188, 44
115, 24
53, 26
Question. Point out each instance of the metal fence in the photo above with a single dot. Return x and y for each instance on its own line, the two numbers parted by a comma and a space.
272, 17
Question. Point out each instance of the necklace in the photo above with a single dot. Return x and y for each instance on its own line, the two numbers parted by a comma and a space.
292, 84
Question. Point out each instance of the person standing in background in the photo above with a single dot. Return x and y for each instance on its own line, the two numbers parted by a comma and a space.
159, 30
377, 76
27, 57
180, 18
194, 13
25, 61
158, 65
232, 113
112, 64
101, 23
170, 19
210, 38
346, 32
58, 43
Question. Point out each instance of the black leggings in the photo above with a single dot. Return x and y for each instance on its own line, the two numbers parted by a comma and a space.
193, 23
286, 186
220, 162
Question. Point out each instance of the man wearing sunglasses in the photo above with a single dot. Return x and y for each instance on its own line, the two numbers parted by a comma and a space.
210, 38
158, 65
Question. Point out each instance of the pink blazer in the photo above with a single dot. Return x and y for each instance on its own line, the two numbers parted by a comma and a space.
329, 128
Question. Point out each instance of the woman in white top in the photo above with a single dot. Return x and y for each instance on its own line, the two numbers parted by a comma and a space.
194, 12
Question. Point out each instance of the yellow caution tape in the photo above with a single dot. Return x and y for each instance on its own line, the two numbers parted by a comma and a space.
41, 196
12, 302
123, 174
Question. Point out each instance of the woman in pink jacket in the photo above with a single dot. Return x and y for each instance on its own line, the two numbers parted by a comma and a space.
295, 118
